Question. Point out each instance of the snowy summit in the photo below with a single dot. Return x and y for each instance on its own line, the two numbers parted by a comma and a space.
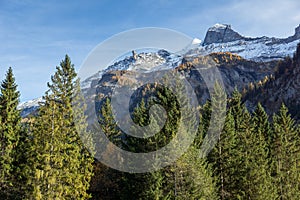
218, 27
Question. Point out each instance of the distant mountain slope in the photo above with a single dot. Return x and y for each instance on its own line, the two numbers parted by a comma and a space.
283, 88
235, 71
29, 107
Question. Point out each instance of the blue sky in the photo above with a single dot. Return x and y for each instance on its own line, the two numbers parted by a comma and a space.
35, 35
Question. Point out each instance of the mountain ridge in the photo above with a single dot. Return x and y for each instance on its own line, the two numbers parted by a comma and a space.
260, 49
223, 33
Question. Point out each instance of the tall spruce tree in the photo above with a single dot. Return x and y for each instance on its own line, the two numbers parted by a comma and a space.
63, 167
262, 125
222, 159
23, 164
110, 181
187, 178
237, 107
255, 175
214, 110
259, 174
108, 125
10, 127
223, 156
144, 185
285, 154
191, 177
241, 118
45, 154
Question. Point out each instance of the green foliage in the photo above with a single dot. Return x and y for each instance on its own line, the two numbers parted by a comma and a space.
256, 181
108, 125
23, 162
62, 164
262, 183
285, 154
241, 160
223, 160
191, 178
143, 185
10, 129
262, 125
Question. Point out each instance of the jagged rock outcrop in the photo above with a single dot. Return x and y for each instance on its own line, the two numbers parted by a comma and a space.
296, 36
297, 32
221, 33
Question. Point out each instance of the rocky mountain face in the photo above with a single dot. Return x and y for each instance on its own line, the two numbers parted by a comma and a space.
235, 72
143, 62
221, 33
283, 88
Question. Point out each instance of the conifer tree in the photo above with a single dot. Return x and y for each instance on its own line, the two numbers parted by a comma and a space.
110, 180
108, 124
144, 185
237, 107
85, 141
10, 127
46, 154
261, 183
222, 159
285, 154
255, 175
192, 177
215, 113
23, 169
63, 167
251, 163
239, 159
262, 125
223, 156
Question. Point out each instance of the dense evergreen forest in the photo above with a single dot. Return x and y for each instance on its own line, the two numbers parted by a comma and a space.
257, 156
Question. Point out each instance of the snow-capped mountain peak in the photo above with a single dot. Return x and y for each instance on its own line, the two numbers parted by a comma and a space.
222, 38
218, 27
221, 33
33, 102
143, 61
